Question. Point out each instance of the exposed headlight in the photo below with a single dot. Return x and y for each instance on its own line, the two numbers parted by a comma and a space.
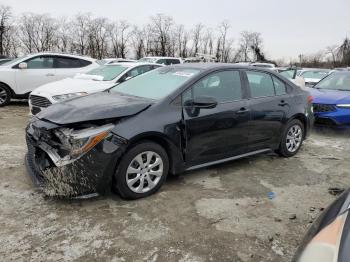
67, 96
343, 105
79, 142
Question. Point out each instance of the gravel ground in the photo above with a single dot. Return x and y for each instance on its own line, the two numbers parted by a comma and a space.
220, 213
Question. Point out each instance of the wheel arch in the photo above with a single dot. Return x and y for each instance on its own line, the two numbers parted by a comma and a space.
176, 162
303, 119
13, 94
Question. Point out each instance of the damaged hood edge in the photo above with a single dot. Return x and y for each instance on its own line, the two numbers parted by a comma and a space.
96, 106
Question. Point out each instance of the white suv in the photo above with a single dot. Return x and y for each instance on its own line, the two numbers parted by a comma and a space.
22, 75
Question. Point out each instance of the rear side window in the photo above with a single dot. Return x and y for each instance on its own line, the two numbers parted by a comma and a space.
70, 62
224, 86
280, 87
261, 84
172, 61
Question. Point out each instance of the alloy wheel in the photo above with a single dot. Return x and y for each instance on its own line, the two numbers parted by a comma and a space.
3, 95
294, 138
144, 172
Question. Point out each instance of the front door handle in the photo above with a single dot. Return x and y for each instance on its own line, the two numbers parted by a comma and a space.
50, 74
242, 110
283, 103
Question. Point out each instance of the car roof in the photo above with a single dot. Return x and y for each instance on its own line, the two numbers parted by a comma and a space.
132, 64
210, 66
63, 54
162, 57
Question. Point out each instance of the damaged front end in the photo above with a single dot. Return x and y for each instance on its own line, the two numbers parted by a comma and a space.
73, 160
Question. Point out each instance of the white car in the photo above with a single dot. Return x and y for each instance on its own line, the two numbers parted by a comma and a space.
161, 60
263, 65
22, 75
313, 76
96, 80
106, 61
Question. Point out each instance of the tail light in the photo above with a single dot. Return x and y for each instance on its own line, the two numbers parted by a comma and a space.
310, 99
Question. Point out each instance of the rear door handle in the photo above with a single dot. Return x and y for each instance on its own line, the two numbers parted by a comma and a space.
242, 110
283, 103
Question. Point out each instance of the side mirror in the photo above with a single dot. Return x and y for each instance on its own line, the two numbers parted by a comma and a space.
204, 102
23, 65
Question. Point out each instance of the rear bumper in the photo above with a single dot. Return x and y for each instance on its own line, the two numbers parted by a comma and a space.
87, 175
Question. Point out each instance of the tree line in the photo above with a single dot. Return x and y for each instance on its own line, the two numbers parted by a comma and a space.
100, 37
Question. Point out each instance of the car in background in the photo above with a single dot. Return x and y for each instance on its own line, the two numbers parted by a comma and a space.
313, 76
331, 104
22, 75
263, 65
106, 61
161, 60
95, 80
5, 60
170, 120
292, 74
328, 239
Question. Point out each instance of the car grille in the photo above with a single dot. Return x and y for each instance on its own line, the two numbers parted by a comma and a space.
39, 101
321, 108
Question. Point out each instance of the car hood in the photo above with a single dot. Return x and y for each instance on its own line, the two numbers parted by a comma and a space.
97, 106
326, 96
72, 85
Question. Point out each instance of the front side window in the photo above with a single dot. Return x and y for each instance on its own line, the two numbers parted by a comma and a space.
107, 72
173, 61
40, 62
261, 84
223, 86
156, 84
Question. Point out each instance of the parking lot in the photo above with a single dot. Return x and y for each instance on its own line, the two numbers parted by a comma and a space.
221, 213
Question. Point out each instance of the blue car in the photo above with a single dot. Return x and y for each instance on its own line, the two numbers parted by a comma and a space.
331, 100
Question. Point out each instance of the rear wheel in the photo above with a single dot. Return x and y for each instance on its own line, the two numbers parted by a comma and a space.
142, 171
292, 139
5, 95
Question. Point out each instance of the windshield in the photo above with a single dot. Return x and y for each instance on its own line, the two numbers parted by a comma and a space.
148, 60
108, 72
314, 74
335, 82
288, 73
156, 84
14, 60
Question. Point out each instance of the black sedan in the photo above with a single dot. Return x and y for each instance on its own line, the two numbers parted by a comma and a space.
170, 120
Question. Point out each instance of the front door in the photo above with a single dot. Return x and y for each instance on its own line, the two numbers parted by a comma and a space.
216, 133
40, 70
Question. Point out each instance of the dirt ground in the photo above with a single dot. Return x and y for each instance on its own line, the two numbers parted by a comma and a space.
221, 213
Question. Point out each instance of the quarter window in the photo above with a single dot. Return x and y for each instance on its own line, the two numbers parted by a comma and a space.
280, 87
261, 84
224, 86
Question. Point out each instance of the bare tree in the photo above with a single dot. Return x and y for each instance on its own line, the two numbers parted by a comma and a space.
81, 25
161, 26
196, 38
5, 17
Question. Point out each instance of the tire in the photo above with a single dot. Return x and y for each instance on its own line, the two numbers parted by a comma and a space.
292, 138
5, 95
144, 179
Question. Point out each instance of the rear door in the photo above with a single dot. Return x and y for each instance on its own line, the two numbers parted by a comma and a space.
69, 66
269, 104
220, 132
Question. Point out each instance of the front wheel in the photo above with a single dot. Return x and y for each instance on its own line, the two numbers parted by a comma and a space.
292, 138
5, 95
142, 171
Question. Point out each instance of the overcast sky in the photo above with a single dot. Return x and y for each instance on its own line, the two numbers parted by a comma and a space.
289, 28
